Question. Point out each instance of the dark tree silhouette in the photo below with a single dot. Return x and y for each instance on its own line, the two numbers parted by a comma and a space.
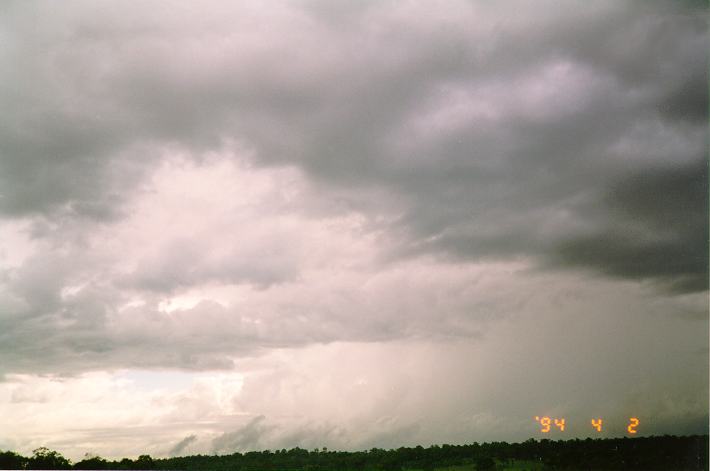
11, 460
647, 454
145, 462
44, 458
485, 463
92, 462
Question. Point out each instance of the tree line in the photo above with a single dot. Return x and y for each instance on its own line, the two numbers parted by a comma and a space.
648, 453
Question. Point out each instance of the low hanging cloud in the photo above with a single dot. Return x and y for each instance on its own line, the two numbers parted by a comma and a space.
180, 446
248, 437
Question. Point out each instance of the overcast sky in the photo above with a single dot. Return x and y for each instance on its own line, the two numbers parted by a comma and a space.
228, 226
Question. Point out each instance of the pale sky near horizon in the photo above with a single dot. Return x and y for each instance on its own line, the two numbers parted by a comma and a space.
229, 226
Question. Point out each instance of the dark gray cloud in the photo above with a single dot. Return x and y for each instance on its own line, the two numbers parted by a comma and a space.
564, 95
482, 132
656, 227
575, 138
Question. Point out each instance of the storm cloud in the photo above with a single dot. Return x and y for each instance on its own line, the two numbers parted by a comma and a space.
477, 131
192, 188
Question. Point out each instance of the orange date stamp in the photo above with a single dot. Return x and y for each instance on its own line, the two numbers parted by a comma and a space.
548, 424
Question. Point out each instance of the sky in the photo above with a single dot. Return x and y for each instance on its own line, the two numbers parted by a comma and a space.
231, 226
